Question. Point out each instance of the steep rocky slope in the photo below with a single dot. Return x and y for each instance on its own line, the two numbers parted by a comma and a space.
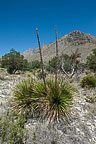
66, 44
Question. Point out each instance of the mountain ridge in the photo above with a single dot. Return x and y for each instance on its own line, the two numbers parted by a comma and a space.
66, 44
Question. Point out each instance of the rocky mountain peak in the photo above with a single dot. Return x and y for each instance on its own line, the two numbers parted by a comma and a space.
76, 33
66, 44
78, 38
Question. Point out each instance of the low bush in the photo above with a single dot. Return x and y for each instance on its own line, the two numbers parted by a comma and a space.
13, 61
88, 81
30, 97
12, 128
32, 65
91, 61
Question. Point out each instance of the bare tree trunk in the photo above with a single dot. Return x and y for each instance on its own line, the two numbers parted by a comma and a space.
56, 76
73, 57
68, 75
42, 66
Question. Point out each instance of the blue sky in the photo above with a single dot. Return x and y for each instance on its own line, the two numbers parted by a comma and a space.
19, 19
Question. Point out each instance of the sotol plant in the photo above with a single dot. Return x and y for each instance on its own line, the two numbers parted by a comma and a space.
55, 104
23, 94
30, 97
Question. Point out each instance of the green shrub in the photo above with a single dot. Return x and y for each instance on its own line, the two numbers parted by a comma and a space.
33, 65
51, 66
13, 61
67, 62
30, 97
88, 81
12, 129
91, 61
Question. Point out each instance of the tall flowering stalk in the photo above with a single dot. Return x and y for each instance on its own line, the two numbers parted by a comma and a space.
56, 76
41, 59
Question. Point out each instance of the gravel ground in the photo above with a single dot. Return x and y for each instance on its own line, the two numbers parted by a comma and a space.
80, 129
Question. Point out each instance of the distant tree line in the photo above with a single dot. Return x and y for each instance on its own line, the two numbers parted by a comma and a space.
14, 61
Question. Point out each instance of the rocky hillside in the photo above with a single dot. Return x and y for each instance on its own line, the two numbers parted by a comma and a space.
67, 44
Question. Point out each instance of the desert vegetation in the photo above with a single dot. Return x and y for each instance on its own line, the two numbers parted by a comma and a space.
88, 81
91, 61
12, 128
13, 61
30, 98
57, 95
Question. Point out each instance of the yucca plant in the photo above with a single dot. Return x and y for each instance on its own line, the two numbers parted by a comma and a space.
23, 94
55, 105
31, 97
